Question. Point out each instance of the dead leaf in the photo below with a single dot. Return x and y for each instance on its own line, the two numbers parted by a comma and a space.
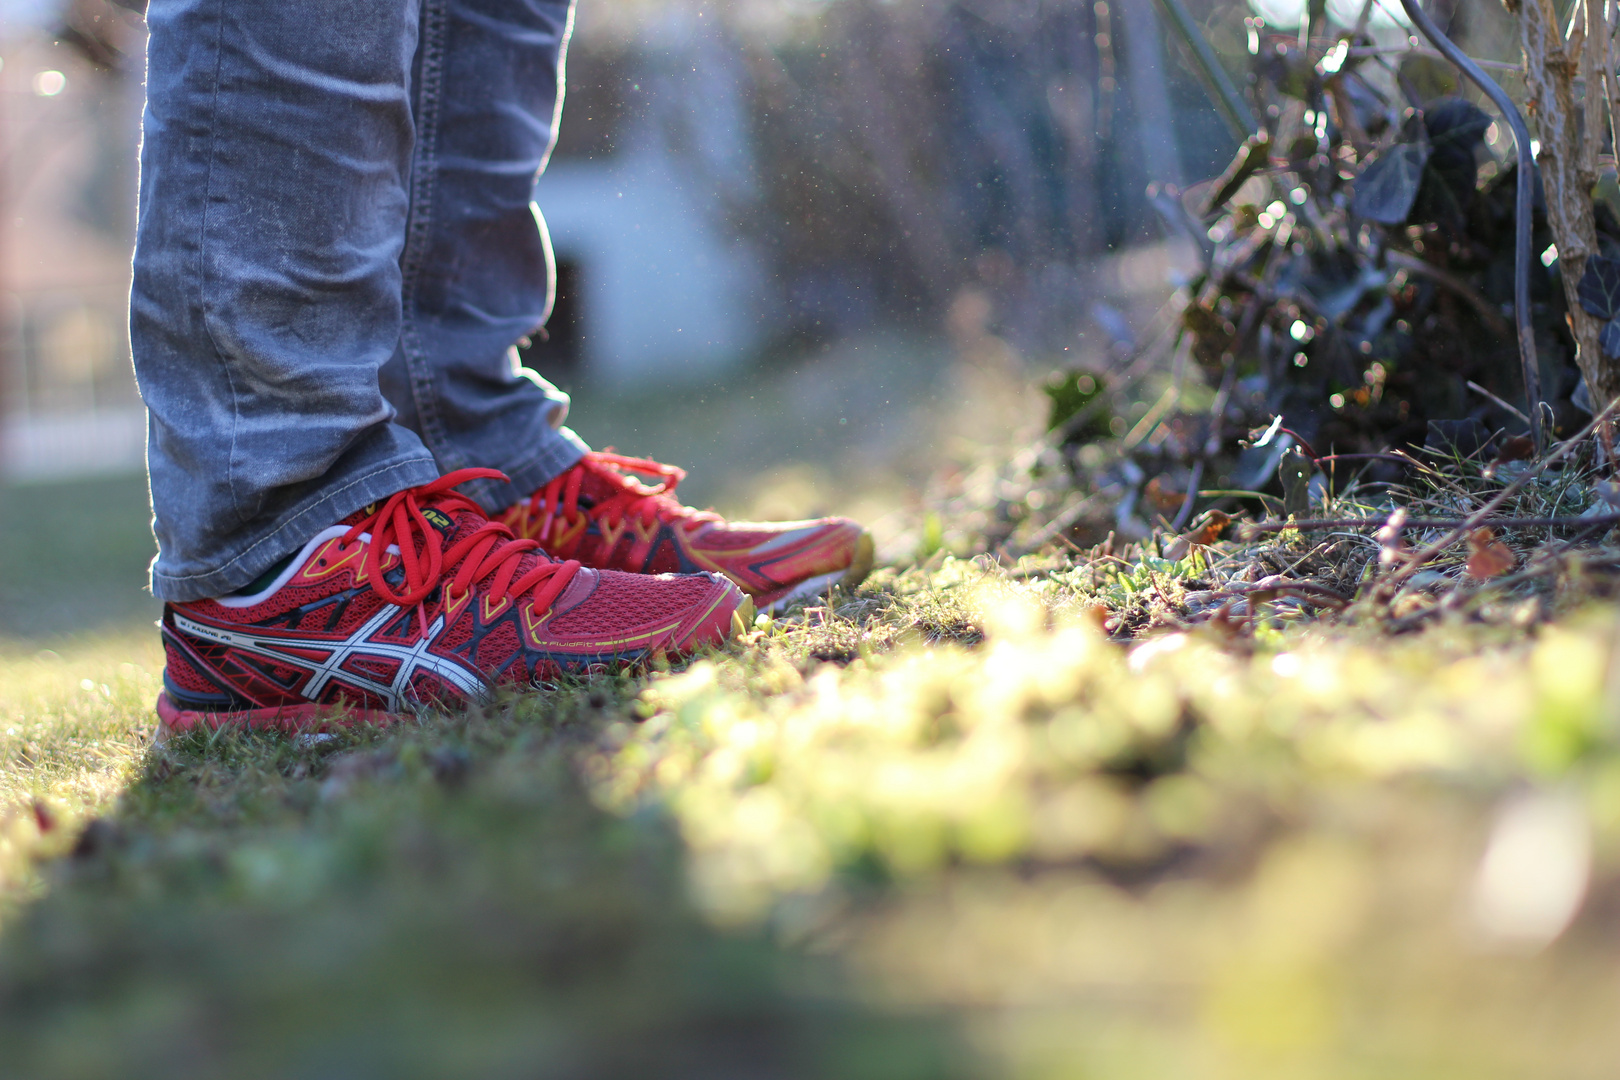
1488, 556
1518, 448
1206, 532
1410, 603
1162, 497
1210, 528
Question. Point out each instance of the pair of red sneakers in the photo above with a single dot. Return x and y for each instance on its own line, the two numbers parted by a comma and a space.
426, 599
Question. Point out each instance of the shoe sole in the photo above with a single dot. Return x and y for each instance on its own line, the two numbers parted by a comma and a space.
288, 719
847, 579
298, 719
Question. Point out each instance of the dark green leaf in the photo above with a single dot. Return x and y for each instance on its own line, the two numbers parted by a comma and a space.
1438, 203
1387, 187
1295, 472
1069, 393
1337, 281
1456, 130
1599, 289
1610, 339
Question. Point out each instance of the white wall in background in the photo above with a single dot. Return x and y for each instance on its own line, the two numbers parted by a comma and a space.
664, 295
668, 291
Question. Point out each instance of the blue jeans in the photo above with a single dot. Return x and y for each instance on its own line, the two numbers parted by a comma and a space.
335, 253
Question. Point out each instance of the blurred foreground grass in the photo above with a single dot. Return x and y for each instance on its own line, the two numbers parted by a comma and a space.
442, 900
941, 827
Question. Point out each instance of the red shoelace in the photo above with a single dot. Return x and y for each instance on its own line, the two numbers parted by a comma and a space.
490, 551
633, 498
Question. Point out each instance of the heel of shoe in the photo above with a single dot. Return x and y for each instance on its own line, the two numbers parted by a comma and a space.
742, 619
861, 565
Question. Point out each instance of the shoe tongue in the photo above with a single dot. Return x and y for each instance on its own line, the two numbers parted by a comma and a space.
457, 521
452, 522
448, 526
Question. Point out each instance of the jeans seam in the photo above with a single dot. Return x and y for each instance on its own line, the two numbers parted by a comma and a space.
203, 303
326, 497
424, 178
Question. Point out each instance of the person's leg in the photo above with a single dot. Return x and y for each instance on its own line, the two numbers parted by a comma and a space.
477, 264
271, 278
267, 283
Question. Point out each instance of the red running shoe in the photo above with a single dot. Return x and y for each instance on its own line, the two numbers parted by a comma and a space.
421, 600
598, 513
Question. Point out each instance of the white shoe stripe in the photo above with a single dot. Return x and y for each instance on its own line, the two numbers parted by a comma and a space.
411, 658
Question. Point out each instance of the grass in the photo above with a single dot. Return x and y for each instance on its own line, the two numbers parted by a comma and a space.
73, 729
940, 827
442, 899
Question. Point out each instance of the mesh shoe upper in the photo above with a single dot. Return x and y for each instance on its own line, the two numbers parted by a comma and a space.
599, 513
421, 600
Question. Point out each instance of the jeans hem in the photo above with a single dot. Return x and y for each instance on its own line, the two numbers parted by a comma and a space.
292, 530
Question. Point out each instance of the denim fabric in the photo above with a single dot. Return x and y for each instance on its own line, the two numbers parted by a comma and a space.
335, 253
